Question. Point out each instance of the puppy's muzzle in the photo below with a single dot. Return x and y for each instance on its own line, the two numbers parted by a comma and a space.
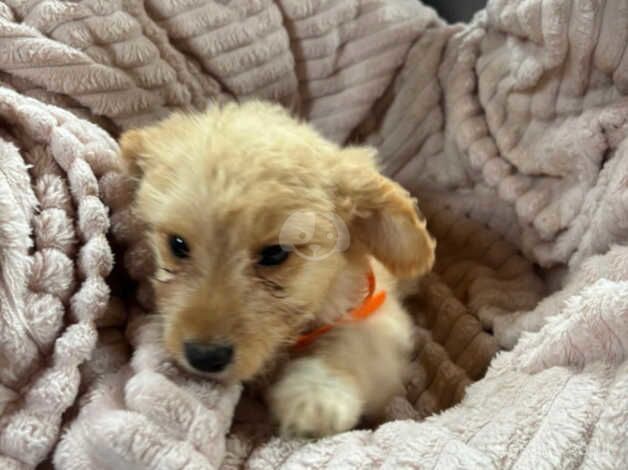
210, 358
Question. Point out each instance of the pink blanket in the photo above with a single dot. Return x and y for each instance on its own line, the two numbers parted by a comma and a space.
512, 130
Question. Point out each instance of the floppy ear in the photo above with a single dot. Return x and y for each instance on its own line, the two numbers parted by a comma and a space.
383, 216
132, 151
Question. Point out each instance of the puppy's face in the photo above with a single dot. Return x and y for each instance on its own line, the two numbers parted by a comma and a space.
252, 217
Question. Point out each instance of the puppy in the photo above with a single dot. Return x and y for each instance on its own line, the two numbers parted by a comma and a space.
266, 237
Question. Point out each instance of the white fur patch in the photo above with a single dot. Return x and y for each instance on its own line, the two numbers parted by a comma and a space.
310, 400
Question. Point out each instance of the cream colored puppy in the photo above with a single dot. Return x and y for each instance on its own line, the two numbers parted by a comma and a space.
264, 232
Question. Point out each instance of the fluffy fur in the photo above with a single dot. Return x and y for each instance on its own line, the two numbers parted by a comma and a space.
227, 181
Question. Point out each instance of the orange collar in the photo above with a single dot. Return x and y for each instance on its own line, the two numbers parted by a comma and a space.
368, 307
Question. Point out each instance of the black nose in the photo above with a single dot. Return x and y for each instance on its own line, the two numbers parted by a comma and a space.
208, 357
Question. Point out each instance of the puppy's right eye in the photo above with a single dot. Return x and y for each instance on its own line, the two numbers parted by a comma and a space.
273, 255
178, 246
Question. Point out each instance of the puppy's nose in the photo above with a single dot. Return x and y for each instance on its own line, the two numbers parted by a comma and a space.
208, 357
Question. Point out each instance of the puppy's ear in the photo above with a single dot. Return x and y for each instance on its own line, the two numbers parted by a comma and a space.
132, 151
382, 215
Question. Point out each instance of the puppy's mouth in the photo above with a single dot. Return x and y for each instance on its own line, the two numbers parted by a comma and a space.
224, 377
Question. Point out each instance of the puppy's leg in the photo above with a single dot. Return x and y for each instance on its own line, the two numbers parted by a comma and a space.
312, 399
352, 371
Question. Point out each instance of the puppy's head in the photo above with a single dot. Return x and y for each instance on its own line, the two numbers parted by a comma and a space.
253, 217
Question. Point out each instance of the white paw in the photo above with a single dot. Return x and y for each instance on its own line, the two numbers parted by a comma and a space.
311, 401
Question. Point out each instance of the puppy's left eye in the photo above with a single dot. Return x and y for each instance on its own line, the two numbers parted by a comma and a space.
178, 246
273, 255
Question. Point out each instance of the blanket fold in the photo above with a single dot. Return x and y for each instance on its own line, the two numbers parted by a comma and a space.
511, 130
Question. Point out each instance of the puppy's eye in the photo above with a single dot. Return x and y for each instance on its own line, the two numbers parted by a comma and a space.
178, 246
273, 255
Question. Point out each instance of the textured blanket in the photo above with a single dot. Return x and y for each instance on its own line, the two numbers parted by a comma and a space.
512, 130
